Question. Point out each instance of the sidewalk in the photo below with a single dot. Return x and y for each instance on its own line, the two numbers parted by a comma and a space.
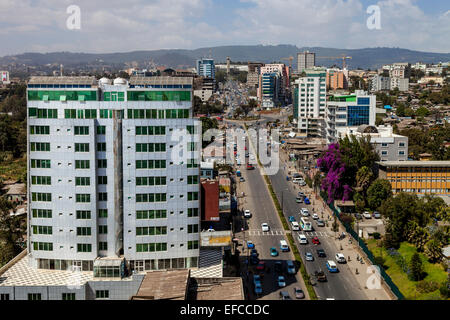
364, 275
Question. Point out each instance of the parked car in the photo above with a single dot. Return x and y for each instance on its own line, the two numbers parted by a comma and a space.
358, 216
309, 256
367, 215
376, 215
261, 266
315, 216
291, 219
290, 267
340, 258
306, 200
320, 223
281, 281
284, 295
278, 266
247, 214
304, 212
315, 240
299, 199
321, 253
298, 293
258, 288
250, 244
256, 278
273, 252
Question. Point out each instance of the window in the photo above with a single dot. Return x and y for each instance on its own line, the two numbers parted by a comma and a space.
105, 114
102, 196
101, 130
42, 213
83, 231
384, 145
38, 196
192, 164
84, 247
192, 196
192, 179
401, 153
42, 230
38, 180
42, 246
192, 146
151, 214
103, 213
384, 153
152, 130
192, 228
81, 131
83, 214
102, 180
4, 296
82, 164
192, 245
90, 113
151, 247
40, 146
102, 164
150, 231
81, 147
39, 130
150, 147
70, 113
103, 246
101, 147
151, 181
34, 296
150, 197
83, 198
401, 144
40, 164
82, 181
192, 212
103, 229
150, 164
68, 296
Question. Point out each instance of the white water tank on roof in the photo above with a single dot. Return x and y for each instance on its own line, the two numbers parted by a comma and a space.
120, 82
104, 81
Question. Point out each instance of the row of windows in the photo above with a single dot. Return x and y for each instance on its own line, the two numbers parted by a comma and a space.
39, 196
86, 231
158, 114
150, 147
150, 164
80, 113
42, 213
42, 246
40, 146
150, 130
41, 113
192, 228
151, 214
151, 197
61, 95
42, 230
81, 147
81, 130
39, 129
39, 180
151, 181
150, 231
151, 247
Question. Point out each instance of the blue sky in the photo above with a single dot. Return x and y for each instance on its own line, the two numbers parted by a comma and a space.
117, 25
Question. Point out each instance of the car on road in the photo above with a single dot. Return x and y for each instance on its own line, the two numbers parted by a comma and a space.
278, 266
265, 227
320, 223
321, 253
273, 252
296, 175
304, 212
298, 293
295, 226
299, 199
376, 215
284, 295
247, 214
306, 200
315, 216
315, 240
281, 282
340, 258
291, 219
302, 239
301, 194
367, 215
290, 267
250, 244
309, 256
256, 278
241, 179
321, 276
258, 288
261, 266
331, 266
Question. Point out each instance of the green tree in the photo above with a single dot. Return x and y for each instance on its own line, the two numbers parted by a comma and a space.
364, 177
378, 192
423, 112
433, 251
416, 267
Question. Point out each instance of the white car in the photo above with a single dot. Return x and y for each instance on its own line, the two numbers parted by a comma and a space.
367, 215
315, 216
265, 227
340, 258
247, 214
304, 212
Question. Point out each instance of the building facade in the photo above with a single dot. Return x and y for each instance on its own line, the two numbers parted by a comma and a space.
305, 60
206, 68
379, 83
104, 178
337, 79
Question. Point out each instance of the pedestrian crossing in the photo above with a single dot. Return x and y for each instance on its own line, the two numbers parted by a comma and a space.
282, 232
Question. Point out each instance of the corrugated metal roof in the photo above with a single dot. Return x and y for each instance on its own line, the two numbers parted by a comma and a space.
160, 80
63, 80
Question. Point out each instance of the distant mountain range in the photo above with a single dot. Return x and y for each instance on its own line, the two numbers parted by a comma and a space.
372, 58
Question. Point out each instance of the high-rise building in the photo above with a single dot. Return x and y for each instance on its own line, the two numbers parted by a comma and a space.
105, 175
379, 83
337, 79
206, 68
269, 89
305, 60
310, 94
349, 111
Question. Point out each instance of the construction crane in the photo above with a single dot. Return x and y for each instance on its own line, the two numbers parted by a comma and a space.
343, 57
290, 59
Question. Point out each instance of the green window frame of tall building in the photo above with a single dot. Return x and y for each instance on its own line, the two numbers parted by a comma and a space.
151, 181
101, 146
151, 164
114, 96
81, 147
192, 245
151, 247
102, 163
68, 296
192, 196
41, 196
83, 214
190, 129
101, 130
151, 231
191, 163
41, 180
158, 95
55, 95
150, 130
42, 213
192, 212
46, 230
84, 231
106, 114
40, 164
82, 164
102, 246
40, 130
70, 113
103, 229
192, 146
151, 214
151, 197
81, 130
84, 247
102, 180
82, 198
192, 228
192, 179
102, 196
42, 246
150, 147
82, 181
40, 146
103, 213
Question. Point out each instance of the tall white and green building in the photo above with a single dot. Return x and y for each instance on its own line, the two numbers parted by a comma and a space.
108, 190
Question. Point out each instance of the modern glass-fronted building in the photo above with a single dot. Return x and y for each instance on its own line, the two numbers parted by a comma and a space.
206, 68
